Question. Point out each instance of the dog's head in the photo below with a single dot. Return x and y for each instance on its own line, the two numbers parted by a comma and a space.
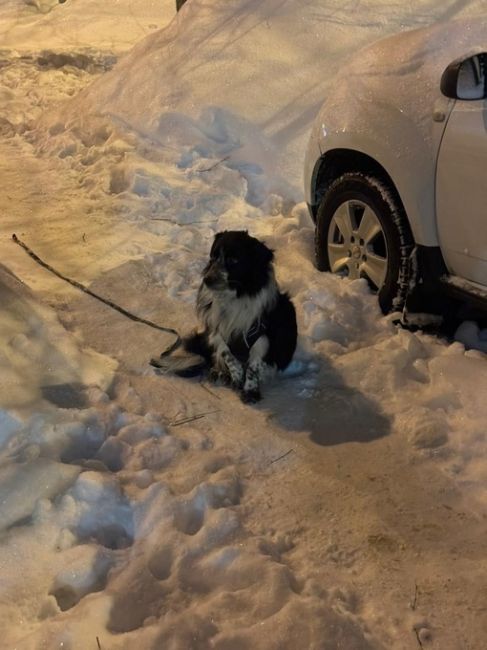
238, 262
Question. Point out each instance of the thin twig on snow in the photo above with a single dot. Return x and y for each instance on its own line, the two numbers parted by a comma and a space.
209, 169
208, 390
415, 598
281, 457
192, 418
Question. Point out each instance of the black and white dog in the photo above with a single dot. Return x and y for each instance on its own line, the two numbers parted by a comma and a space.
249, 325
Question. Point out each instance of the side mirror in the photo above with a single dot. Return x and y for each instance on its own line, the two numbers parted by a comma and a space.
466, 78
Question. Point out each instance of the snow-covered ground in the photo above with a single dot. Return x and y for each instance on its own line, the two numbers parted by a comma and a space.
348, 509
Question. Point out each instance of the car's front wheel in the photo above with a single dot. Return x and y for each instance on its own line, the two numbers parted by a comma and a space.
362, 232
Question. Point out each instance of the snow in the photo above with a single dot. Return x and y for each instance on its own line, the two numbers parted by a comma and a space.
145, 511
37, 353
472, 337
79, 25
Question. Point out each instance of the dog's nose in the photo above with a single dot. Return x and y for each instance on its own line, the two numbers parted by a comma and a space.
212, 276
210, 279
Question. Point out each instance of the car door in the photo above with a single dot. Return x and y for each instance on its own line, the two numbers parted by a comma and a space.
461, 179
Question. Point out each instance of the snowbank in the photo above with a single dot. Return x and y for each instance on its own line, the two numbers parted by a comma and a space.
50, 49
243, 80
40, 360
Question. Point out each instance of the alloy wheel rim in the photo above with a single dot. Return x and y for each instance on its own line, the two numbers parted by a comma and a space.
357, 247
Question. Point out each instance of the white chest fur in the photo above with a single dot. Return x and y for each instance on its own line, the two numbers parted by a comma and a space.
223, 312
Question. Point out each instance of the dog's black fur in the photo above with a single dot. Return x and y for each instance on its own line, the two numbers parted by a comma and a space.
249, 325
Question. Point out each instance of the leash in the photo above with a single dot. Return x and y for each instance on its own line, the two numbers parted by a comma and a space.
109, 303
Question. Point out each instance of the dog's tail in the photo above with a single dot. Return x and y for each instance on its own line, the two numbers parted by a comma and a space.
197, 343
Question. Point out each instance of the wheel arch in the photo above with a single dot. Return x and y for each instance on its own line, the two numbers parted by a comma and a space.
414, 194
336, 162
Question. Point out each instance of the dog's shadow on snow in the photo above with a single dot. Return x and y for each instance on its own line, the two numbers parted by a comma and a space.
320, 403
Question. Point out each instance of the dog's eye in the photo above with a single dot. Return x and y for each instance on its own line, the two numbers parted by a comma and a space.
231, 261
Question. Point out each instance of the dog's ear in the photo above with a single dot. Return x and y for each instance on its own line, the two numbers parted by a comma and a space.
217, 236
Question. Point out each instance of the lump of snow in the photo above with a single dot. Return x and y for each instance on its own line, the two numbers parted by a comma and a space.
425, 428
22, 485
472, 337
8, 426
40, 360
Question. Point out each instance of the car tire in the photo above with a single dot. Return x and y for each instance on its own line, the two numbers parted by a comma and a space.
362, 231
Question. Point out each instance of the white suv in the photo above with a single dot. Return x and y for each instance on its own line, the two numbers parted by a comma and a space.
396, 166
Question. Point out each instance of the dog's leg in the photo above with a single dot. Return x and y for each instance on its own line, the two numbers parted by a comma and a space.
197, 343
226, 362
255, 371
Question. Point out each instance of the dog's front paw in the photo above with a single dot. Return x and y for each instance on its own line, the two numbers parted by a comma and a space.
218, 376
250, 396
236, 383
236, 375
228, 371
214, 375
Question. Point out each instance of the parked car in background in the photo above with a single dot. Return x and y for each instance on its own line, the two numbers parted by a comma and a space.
396, 167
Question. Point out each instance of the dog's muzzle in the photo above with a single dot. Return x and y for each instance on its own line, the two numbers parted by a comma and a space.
214, 277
